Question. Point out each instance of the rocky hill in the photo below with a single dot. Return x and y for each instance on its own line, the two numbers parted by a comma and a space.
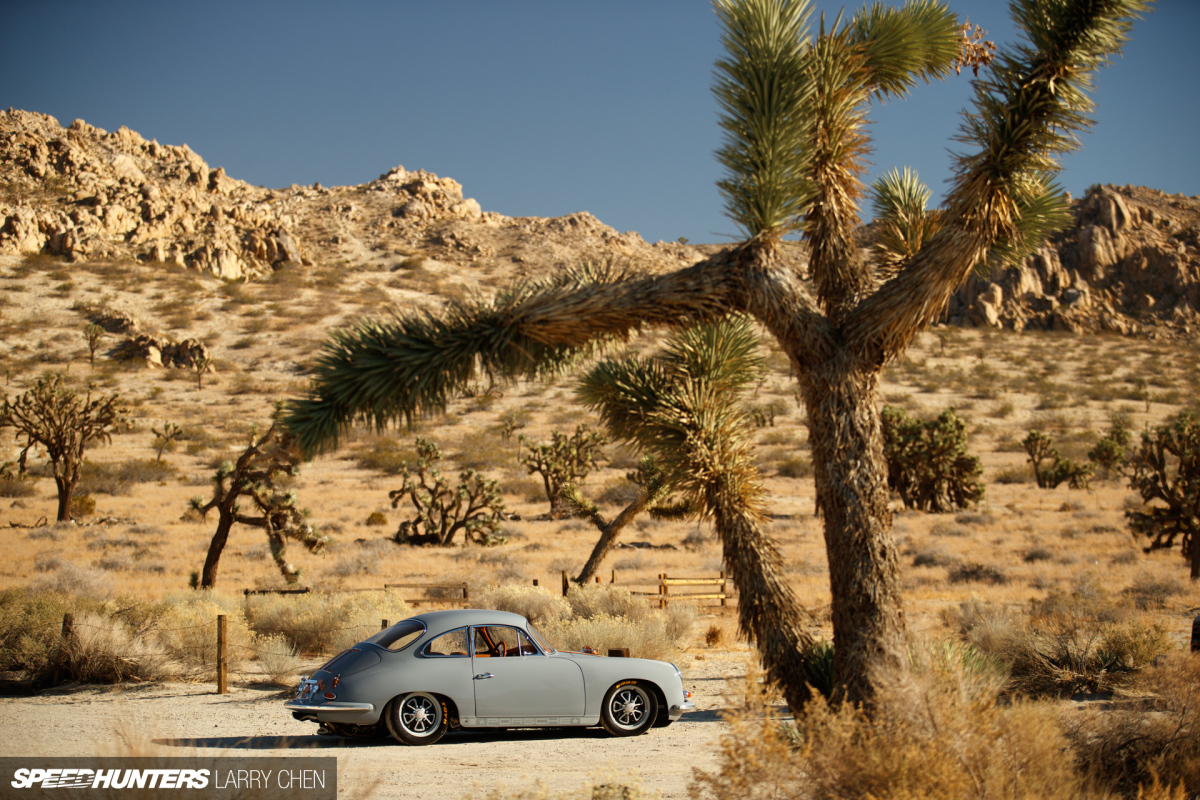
1129, 264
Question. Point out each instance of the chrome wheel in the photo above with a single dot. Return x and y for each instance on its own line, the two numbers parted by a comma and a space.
629, 709
417, 718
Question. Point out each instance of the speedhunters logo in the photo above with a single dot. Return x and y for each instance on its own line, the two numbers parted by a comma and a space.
292, 777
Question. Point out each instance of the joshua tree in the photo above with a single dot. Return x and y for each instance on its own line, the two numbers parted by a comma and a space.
927, 462
1040, 448
59, 420
793, 109
1165, 471
473, 507
162, 439
93, 334
562, 461
682, 409
259, 475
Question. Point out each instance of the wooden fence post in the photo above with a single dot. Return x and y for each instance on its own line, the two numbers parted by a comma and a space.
662, 590
564, 581
68, 630
222, 661
724, 589
1195, 628
614, 577
383, 625
535, 581
466, 594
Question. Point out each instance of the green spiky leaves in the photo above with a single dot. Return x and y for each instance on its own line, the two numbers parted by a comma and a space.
898, 200
761, 87
388, 371
679, 407
904, 45
1035, 101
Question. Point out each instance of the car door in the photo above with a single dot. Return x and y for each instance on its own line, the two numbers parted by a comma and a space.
515, 683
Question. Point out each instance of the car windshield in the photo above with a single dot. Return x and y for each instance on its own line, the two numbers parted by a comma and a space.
541, 641
400, 635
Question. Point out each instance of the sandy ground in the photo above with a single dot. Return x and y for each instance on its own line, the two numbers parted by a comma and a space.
177, 719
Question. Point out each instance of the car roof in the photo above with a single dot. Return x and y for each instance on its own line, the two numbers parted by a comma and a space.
439, 621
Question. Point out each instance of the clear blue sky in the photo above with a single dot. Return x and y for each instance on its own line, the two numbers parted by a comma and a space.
537, 108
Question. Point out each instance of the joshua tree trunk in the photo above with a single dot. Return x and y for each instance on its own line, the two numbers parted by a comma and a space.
65, 489
208, 578
608, 535
851, 487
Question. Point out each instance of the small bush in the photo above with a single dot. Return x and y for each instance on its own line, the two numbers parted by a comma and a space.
647, 637
377, 519
974, 572
535, 603
278, 659
103, 650
11, 486
187, 628
1151, 591
118, 479
323, 623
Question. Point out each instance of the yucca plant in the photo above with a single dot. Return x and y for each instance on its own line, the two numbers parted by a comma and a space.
682, 408
793, 111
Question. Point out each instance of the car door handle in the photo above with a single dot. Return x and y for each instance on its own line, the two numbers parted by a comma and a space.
483, 676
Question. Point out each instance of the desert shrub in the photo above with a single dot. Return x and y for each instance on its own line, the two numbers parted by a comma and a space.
974, 572
1157, 741
104, 650
939, 735
928, 464
1037, 554
932, 557
186, 627
323, 623
82, 505
604, 599
485, 449
278, 658
1071, 642
384, 454
30, 628
376, 519
535, 603
1111, 450
119, 478
12, 486
68, 578
619, 492
1011, 475
1151, 591
794, 467
647, 637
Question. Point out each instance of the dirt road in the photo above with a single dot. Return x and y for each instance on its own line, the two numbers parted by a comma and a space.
188, 719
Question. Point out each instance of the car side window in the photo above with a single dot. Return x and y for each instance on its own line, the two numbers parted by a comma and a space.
449, 644
502, 641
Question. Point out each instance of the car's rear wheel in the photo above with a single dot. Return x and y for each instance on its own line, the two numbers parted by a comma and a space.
417, 718
630, 708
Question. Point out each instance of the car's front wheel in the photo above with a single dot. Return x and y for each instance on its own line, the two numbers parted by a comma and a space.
630, 708
417, 718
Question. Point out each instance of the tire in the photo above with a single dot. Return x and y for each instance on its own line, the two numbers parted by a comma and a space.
630, 709
417, 718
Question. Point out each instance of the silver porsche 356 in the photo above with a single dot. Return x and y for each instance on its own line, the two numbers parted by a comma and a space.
464, 669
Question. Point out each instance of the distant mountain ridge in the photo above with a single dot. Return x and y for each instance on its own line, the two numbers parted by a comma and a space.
1130, 263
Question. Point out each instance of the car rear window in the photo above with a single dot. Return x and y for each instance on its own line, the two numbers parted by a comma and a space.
400, 635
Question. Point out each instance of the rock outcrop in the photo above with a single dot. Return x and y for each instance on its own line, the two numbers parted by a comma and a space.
1130, 263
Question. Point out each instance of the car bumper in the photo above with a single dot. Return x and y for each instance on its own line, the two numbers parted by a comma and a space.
675, 712
334, 712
